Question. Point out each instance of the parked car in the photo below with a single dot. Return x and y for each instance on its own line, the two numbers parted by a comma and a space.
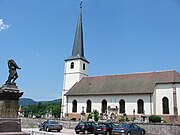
49, 125
128, 129
100, 129
85, 127
104, 128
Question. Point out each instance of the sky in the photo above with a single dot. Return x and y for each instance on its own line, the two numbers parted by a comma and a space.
120, 37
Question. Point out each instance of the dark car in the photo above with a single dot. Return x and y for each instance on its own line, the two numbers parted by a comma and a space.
49, 125
100, 129
104, 128
128, 129
85, 127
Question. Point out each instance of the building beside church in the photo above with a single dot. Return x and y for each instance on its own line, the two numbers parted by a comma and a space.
138, 94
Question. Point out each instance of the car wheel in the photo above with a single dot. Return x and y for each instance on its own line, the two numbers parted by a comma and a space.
107, 133
85, 132
39, 128
143, 132
47, 129
58, 130
77, 132
129, 133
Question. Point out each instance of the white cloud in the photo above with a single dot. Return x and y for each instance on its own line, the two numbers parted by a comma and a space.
3, 26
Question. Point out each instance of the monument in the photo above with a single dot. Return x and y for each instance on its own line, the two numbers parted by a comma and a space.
9, 96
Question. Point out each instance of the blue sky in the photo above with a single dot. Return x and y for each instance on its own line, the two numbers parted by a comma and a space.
120, 36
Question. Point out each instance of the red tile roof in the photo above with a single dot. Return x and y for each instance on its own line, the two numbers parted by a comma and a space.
141, 83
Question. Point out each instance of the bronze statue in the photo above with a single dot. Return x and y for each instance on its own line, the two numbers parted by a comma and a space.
12, 71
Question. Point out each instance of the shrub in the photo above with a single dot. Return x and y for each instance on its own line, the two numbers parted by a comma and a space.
123, 118
94, 114
154, 118
90, 116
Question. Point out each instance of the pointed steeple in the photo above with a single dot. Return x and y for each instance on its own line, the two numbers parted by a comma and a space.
78, 49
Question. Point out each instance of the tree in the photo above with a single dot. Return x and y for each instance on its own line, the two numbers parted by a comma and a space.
42, 109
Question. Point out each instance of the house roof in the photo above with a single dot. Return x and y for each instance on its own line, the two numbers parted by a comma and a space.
137, 83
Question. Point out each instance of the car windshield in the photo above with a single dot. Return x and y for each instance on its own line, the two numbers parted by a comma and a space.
53, 122
94, 124
119, 125
101, 124
136, 126
81, 124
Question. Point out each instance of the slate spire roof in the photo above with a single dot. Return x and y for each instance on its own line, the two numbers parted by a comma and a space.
78, 49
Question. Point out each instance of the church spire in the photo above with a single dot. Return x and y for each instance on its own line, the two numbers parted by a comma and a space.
78, 49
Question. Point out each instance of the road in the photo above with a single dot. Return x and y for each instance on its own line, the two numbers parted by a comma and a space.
34, 131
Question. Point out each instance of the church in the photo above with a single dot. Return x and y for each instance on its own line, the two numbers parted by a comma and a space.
138, 94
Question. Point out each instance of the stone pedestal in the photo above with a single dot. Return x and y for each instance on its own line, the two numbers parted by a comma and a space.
9, 121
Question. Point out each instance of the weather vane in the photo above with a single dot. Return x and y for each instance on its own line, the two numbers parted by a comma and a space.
81, 4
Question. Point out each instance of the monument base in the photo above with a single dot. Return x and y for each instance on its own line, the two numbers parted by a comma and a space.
10, 124
14, 133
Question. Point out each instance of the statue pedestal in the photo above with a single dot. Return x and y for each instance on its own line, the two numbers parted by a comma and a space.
9, 121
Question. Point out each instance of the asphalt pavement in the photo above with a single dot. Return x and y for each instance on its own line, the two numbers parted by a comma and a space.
64, 131
35, 131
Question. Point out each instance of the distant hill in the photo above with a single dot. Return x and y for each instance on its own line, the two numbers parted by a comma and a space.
53, 101
26, 101
29, 101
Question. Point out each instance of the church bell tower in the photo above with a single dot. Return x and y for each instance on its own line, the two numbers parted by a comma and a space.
76, 66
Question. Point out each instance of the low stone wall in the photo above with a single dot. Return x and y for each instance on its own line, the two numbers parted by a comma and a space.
30, 122
34, 123
161, 129
153, 129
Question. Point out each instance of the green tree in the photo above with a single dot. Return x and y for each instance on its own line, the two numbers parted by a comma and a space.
41, 109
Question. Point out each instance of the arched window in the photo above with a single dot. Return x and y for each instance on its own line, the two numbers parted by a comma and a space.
104, 106
72, 65
74, 106
140, 105
84, 66
165, 105
88, 109
121, 106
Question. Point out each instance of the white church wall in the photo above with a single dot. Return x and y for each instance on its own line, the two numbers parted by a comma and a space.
71, 76
70, 80
154, 102
78, 66
130, 102
84, 72
163, 90
68, 65
178, 97
75, 74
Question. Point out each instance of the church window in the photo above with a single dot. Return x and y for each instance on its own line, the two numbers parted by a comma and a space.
104, 106
140, 105
165, 105
121, 106
74, 106
84, 66
88, 109
72, 65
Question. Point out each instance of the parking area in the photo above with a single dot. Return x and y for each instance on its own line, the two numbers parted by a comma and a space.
65, 131
35, 131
